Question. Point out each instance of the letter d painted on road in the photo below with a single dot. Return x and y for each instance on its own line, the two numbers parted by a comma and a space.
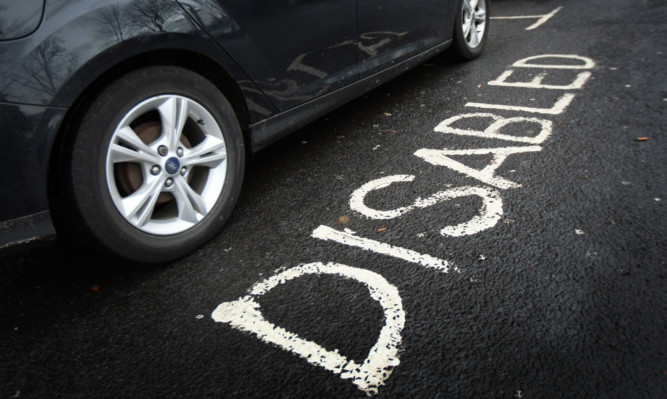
244, 314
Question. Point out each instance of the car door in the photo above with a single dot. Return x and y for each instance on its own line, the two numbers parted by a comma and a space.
293, 50
391, 31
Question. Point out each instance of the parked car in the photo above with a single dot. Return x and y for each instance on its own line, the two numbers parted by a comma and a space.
126, 123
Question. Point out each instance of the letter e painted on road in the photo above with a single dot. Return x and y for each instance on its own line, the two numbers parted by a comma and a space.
536, 83
527, 62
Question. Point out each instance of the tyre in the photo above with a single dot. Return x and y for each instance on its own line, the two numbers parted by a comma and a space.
471, 25
156, 165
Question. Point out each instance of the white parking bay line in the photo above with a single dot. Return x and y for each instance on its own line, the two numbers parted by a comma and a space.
541, 19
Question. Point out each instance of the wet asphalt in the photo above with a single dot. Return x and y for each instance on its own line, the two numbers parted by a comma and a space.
563, 297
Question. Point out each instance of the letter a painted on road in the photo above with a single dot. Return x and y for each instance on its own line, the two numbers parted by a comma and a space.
486, 175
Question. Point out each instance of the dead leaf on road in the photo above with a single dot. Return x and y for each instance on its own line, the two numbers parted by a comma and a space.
343, 220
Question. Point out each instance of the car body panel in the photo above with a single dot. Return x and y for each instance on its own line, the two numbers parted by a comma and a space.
19, 18
273, 129
294, 50
27, 138
391, 31
79, 41
26, 147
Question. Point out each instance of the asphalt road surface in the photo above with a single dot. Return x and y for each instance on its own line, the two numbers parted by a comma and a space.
495, 229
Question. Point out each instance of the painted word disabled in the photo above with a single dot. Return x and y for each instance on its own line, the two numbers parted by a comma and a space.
244, 314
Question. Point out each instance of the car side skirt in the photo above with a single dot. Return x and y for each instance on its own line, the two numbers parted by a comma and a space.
31, 229
276, 127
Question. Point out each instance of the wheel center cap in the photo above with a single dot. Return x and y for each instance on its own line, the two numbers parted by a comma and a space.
172, 165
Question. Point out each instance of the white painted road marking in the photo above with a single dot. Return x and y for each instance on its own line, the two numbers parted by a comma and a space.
558, 108
486, 175
493, 131
536, 83
490, 214
244, 314
348, 238
563, 101
525, 62
541, 19
357, 198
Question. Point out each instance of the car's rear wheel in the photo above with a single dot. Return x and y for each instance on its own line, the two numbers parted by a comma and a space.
156, 165
470, 29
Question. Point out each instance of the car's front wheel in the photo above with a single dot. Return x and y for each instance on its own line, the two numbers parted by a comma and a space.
156, 165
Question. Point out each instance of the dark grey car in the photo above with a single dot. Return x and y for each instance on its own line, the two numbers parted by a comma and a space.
126, 123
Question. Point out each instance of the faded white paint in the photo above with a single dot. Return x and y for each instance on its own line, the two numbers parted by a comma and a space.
536, 83
527, 62
357, 197
563, 101
244, 314
541, 19
499, 122
486, 175
348, 238
558, 108
489, 215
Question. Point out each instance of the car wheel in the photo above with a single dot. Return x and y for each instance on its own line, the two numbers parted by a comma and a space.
471, 25
156, 165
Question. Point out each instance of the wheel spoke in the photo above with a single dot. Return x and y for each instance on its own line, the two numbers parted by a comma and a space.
209, 160
189, 202
119, 153
468, 7
127, 136
480, 16
210, 152
474, 38
467, 25
138, 207
174, 114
